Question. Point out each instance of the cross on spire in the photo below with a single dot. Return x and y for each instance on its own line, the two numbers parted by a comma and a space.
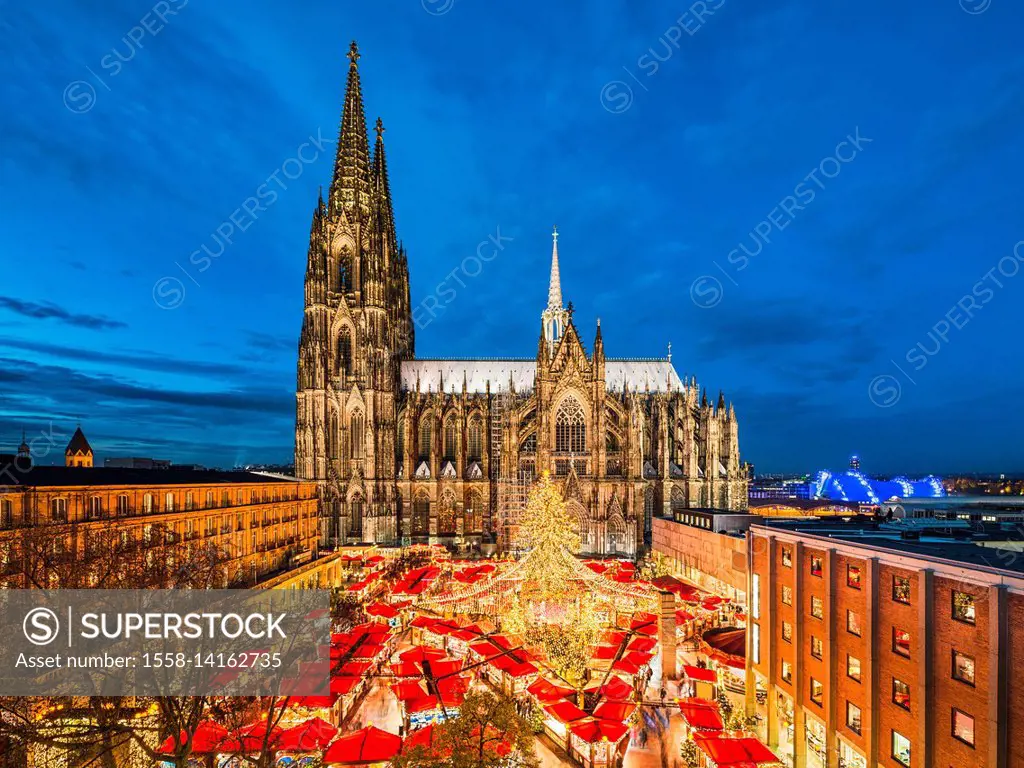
380, 128
353, 53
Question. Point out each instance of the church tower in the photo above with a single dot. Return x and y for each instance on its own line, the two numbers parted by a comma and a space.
357, 326
79, 452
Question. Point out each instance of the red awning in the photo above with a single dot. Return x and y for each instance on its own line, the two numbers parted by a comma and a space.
368, 745
593, 731
701, 714
545, 691
565, 712
309, 736
605, 652
642, 644
726, 751
616, 688
614, 710
383, 610
701, 674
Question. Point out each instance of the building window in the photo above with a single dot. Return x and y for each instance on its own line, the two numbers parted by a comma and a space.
122, 504
426, 437
816, 647
169, 502
853, 717
787, 632
901, 694
853, 623
787, 557
853, 577
901, 589
787, 672
755, 596
6, 516
963, 727
356, 435
209, 499
901, 749
853, 667
476, 443
816, 566
817, 691
147, 502
449, 440
963, 667
817, 608
963, 607
787, 595
570, 428
95, 507
901, 642
755, 637
59, 510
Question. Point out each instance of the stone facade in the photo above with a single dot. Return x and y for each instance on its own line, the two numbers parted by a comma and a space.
440, 450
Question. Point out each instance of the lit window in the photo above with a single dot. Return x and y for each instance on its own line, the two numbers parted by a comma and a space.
816, 647
755, 596
169, 502
755, 637
901, 694
853, 717
787, 632
817, 691
901, 589
787, 672
901, 642
817, 607
853, 668
787, 557
570, 427
787, 595
963, 727
901, 749
963, 607
963, 668
853, 623
853, 576
816, 566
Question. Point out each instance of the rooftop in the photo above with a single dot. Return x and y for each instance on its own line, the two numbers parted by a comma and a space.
949, 540
44, 477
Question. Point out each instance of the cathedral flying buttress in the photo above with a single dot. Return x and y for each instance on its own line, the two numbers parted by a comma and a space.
435, 450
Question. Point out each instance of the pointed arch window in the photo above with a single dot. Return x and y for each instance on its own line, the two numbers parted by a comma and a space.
355, 518
356, 435
474, 513
449, 440
611, 442
344, 352
421, 515
446, 517
570, 427
426, 437
476, 443
529, 445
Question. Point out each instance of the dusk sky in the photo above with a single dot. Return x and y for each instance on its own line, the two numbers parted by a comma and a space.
125, 142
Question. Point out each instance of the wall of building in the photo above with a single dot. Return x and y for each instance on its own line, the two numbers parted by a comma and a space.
711, 560
788, 563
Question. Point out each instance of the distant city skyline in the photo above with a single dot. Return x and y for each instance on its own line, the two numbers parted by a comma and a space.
879, 318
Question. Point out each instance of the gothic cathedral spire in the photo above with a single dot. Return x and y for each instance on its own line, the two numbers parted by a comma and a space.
554, 318
350, 186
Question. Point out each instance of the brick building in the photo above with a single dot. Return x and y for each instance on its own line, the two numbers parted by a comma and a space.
869, 646
66, 524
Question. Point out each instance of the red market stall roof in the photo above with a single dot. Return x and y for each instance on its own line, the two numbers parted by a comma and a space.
383, 610
725, 751
642, 644
565, 712
368, 745
593, 731
513, 668
683, 616
701, 674
545, 691
614, 637
408, 690
309, 736
615, 688
595, 566
420, 653
605, 652
614, 710
207, 738
342, 686
644, 623
422, 737
627, 666
251, 738
427, 703
701, 714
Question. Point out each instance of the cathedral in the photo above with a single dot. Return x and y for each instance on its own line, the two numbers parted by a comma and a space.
411, 450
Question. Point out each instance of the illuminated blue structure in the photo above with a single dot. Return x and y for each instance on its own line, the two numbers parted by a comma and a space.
854, 485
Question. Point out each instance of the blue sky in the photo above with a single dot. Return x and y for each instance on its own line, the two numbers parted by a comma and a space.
657, 137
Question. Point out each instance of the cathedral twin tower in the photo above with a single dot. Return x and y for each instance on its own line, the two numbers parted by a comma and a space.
413, 450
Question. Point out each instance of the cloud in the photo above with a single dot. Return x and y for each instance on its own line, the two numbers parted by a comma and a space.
48, 311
